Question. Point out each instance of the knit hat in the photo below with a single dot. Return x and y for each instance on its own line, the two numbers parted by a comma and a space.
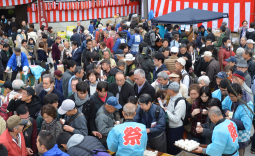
239, 51
239, 74
173, 85
181, 61
242, 63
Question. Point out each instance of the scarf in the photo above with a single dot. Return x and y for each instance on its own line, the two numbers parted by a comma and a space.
49, 125
79, 102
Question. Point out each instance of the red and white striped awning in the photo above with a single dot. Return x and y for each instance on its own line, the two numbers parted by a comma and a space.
238, 10
14, 2
84, 14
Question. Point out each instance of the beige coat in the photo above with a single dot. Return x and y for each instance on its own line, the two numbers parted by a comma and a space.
183, 90
170, 63
24, 50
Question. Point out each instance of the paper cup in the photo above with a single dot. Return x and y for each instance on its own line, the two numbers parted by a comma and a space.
117, 122
198, 123
230, 114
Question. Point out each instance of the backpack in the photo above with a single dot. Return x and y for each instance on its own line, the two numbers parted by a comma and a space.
138, 63
191, 79
4, 112
124, 35
188, 109
95, 152
147, 38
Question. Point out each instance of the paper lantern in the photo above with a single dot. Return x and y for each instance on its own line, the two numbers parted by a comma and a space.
98, 3
33, 7
54, 5
73, 6
68, 7
82, 5
93, 3
77, 5
49, 6
106, 3
60, 6
46, 6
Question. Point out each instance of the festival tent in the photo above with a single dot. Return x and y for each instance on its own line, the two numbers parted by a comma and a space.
189, 16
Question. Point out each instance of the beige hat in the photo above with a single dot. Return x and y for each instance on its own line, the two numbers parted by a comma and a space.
208, 54
100, 26
174, 75
181, 61
15, 120
86, 32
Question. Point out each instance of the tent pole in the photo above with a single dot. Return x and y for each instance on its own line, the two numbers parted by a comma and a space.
193, 30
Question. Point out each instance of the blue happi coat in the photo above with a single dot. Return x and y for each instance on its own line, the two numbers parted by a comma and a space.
134, 42
117, 43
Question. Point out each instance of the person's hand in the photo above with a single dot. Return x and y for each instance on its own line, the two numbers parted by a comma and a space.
67, 53
215, 41
16, 96
95, 133
198, 150
70, 55
54, 61
193, 39
61, 121
148, 130
227, 113
68, 128
30, 57
199, 129
51, 38
6, 70
164, 108
113, 66
205, 112
228, 118
60, 62
29, 151
104, 77
185, 58
195, 112
198, 49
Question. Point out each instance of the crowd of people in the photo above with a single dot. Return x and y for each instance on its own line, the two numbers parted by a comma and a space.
126, 87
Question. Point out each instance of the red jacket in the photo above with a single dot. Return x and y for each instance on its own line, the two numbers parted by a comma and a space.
224, 53
109, 43
12, 147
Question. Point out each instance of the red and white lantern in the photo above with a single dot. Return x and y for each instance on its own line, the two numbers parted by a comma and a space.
82, 5
49, 6
93, 3
60, 6
73, 6
46, 6
68, 7
54, 6
98, 3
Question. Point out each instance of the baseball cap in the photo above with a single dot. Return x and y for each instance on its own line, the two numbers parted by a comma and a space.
239, 74
113, 101
129, 57
221, 75
174, 50
25, 70
57, 73
181, 61
174, 75
30, 90
67, 105
231, 59
15, 120
7, 84
224, 23
250, 41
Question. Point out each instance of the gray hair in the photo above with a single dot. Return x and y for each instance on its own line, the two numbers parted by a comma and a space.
107, 32
205, 79
244, 38
52, 78
248, 51
75, 78
121, 63
164, 75
174, 86
139, 72
17, 84
120, 55
61, 45
78, 69
215, 110
183, 46
129, 109
12, 129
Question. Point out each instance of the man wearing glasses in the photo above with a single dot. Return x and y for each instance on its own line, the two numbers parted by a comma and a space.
222, 93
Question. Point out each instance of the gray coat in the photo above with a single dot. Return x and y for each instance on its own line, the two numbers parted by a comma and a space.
88, 142
79, 123
153, 38
247, 78
212, 69
104, 122
38, 88
55, 129
65, 80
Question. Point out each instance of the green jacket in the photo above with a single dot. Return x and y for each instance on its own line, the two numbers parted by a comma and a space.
110, 79
11, 44
219, 42
101, 53
130, 67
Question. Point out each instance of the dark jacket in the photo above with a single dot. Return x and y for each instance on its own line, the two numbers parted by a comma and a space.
168, 36
175, 32
200, 65
86, 58
208, 130
89, 110
76, 37
188, 62
147, 65
156, 71
42, 55
97, 101
147, 88
5, 59
211, 36
89, 142
214, 54
55, 52
34, 106
126, 91
65, 81
79, 123
250, 34
212, 70
82, 29
30, 134
184, 41
77, 56
111, 74
251, 68
61, 97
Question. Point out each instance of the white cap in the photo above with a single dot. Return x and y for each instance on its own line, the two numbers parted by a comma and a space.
181, 61
86, 32
25, 70
67, 105
208, 54
174, 50
250, 41
129, 57
100, 26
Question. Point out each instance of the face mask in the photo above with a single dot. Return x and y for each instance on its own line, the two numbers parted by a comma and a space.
47, 90
229, 44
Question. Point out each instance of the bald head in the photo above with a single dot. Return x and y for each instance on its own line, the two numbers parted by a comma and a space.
215, 114
129, 111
